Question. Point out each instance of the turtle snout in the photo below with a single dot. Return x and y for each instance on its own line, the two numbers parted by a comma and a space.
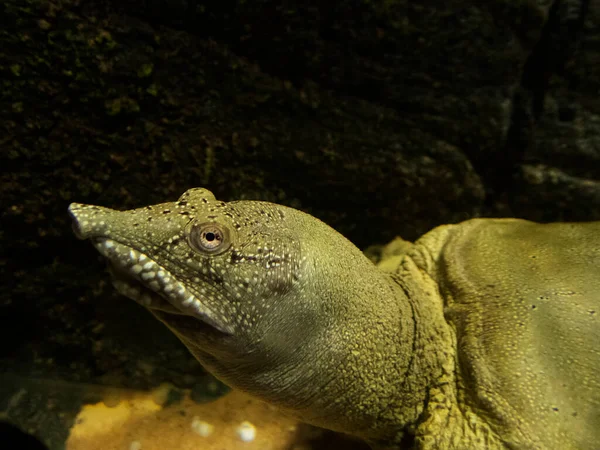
75, 211
88, 220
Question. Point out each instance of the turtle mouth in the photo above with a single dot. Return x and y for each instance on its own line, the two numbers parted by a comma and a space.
140, 278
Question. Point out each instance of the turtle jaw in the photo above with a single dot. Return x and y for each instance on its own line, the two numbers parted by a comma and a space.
140, 278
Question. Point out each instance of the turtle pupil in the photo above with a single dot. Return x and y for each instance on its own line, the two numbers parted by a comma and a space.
212, 239
209, 237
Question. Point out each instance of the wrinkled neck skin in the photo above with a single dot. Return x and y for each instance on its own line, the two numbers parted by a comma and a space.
352, 375
352, 366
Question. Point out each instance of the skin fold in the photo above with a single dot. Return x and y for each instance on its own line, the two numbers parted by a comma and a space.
483, 334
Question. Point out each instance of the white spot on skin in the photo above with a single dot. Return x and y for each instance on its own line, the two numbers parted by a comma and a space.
199, 308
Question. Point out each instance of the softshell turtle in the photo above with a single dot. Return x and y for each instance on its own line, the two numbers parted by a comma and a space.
480, 335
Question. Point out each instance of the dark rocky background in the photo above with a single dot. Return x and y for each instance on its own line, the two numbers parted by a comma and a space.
379, 117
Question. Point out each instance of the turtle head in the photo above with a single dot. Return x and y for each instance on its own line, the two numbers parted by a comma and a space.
218, 274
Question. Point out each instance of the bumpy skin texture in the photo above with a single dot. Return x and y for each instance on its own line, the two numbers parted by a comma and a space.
524, 299
441, 341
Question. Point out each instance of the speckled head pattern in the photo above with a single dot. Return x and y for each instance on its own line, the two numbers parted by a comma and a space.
196, 258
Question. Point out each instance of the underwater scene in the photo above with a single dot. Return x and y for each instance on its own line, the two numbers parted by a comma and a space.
261, 225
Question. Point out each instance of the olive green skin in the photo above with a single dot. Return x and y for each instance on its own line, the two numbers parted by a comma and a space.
483, 334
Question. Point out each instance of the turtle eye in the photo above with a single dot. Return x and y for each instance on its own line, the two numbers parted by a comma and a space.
209, 238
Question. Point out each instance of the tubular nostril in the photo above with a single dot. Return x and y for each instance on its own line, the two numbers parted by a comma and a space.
77, 230
73, 210
90, 221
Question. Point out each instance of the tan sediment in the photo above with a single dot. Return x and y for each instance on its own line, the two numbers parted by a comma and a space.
139, 423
